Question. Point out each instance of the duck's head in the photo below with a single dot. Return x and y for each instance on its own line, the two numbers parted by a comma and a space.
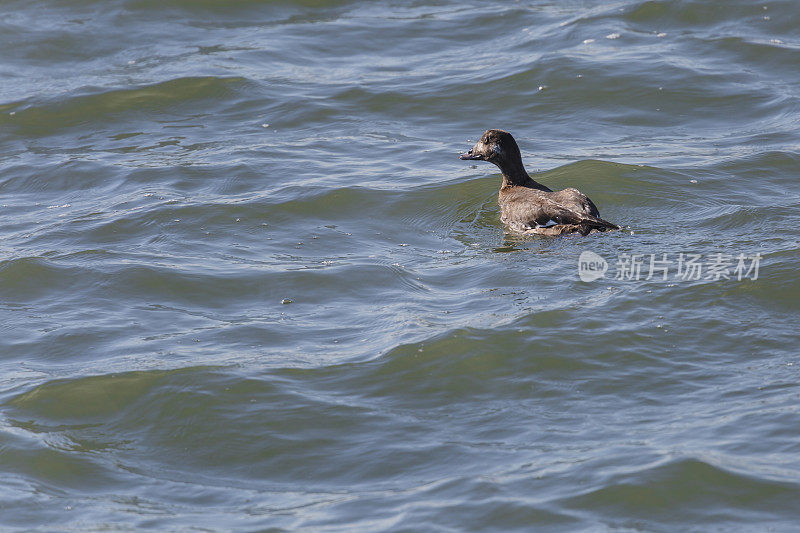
495, 146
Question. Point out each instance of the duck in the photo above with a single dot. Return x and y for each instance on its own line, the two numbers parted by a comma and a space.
527, 206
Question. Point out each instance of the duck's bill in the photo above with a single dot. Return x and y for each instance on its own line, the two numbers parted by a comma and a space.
470, 156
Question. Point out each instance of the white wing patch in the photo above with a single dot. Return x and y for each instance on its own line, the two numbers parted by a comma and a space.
547, 224
518, 226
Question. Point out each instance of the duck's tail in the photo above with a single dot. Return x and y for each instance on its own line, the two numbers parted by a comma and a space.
600, 224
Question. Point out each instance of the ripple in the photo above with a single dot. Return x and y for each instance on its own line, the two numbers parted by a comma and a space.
99, 106
701, 489
432, 368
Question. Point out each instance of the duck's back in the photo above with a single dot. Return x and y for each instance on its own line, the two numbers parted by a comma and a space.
577, 200
525, 208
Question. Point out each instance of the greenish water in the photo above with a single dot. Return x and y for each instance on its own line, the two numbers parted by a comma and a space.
172, 171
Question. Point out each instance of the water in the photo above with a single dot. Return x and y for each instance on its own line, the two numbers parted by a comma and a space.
172, 171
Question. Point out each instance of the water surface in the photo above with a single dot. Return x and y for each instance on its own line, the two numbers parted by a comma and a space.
246, 284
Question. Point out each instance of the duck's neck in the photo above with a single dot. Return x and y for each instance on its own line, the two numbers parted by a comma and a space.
515, 175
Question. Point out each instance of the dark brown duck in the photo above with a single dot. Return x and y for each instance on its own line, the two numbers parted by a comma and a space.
529, 206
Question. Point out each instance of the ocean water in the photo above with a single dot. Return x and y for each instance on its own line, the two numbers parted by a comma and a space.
247, 284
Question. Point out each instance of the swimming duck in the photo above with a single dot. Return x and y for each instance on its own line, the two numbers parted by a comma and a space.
528, 206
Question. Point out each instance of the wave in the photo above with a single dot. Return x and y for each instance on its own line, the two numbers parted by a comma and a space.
95, 105
649, 496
